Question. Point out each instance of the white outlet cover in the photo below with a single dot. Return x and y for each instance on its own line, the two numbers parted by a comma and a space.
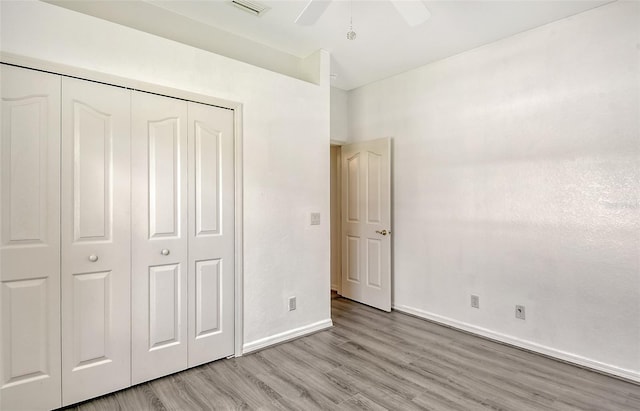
315, 218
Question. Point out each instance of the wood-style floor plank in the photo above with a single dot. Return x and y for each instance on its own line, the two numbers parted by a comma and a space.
372, 360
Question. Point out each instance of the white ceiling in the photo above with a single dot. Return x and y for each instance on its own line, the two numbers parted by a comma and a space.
385, 44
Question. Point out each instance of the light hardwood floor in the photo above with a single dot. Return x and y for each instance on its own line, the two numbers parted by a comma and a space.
375, 360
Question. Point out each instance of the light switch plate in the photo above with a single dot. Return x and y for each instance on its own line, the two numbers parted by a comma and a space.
315, 218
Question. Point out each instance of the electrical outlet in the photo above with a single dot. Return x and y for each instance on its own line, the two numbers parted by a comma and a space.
315, 219
520, 312
475, 301
292, 303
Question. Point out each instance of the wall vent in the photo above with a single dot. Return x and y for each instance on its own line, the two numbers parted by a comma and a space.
250, 7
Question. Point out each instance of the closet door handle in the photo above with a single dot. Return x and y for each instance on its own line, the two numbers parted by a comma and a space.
93, 258
165, 251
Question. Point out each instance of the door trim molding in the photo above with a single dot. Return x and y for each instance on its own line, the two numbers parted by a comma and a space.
123, 82
239, 245
114, 80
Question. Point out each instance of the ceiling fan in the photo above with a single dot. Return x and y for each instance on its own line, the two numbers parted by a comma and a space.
414, 12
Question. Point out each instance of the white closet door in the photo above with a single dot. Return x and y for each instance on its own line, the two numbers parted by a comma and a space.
211, 233
30, 240
159, 223
96, 242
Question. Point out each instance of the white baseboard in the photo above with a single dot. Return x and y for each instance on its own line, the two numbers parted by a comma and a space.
527, 345
286, 336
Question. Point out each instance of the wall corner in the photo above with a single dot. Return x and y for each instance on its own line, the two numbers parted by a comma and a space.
316, 67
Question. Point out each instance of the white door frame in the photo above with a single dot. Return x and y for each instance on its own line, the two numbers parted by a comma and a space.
70, 71
339, 144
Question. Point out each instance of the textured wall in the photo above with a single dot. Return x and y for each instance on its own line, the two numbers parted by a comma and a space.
283, 181
517, 178
339, 115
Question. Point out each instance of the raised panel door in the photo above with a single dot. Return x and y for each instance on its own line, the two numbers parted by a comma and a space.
211, 233
366, 207
96, 252
29, 240
159, 236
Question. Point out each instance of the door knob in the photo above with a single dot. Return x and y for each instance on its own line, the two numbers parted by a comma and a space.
93, 258
165, 251
383, 232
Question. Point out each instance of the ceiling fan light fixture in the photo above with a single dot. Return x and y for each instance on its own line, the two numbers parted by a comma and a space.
312, 12
351, 35
414, 12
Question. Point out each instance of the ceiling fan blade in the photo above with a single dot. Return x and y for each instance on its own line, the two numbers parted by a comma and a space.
312, 12
414, 12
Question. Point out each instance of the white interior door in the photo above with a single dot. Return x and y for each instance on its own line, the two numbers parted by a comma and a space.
211, 233
159, 236
366, 223
30, 240
95, 240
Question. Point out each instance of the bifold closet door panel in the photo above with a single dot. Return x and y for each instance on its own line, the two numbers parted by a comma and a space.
29, 240
211, 233
96, 245
159, 224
